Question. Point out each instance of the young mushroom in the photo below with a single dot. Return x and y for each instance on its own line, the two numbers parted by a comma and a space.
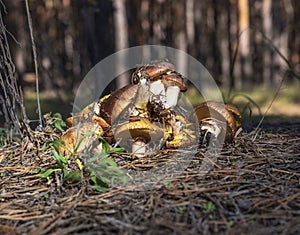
149, 83
139, 130
216, 119
174, 84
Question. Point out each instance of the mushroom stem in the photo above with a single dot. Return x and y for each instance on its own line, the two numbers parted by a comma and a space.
210, 126
157, 88
142, 95
177, 128
172, 94
139, 147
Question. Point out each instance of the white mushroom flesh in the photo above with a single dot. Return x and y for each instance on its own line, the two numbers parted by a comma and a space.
97, 108
210, 126
143, 95
139, 148
172, 94
158, 92
177, 128
157, 88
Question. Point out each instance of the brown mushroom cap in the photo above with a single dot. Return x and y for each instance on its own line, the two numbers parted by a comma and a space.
69, 122
139, 128
159, 69
217, 111
82, 116
174, 79
116, 102
236, 114
152, 71
79, 137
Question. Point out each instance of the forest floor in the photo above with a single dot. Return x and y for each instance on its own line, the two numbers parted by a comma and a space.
250, 187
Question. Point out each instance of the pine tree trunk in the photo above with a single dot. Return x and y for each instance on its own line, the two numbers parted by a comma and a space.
10, 94
121, 37
267, 30
244, 42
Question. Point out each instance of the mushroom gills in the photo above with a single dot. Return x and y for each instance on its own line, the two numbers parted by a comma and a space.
214, 114
210, 126
139, 130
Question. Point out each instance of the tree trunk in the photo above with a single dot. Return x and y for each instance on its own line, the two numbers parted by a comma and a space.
10, 94
190, 31
235, 64
180, 35
225, 48
121, 37
280, 40
244, 42
267, 30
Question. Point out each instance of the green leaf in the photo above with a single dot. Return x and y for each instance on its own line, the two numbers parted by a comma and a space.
61, 160
36, 170
115, 150
48, 172
105, 179
59, 122
100, 189
109, 162
209, 207
57, 116
105, 147
44, 146
98, 184
74, 176
65, 172
59, 125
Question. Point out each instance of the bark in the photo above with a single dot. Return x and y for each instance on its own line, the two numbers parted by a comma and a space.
225, 48
280, 37
267, 30
190, 31
72, 36
10, 93
180, 34
244, 41
121, 38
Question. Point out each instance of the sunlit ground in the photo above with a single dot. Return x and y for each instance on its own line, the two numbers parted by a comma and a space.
256, 102
252, 103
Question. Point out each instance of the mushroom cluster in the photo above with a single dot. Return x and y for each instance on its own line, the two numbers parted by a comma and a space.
145, 114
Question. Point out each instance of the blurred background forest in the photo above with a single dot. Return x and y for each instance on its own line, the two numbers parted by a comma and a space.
243, 43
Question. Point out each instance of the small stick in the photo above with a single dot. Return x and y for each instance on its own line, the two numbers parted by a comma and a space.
35, 61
